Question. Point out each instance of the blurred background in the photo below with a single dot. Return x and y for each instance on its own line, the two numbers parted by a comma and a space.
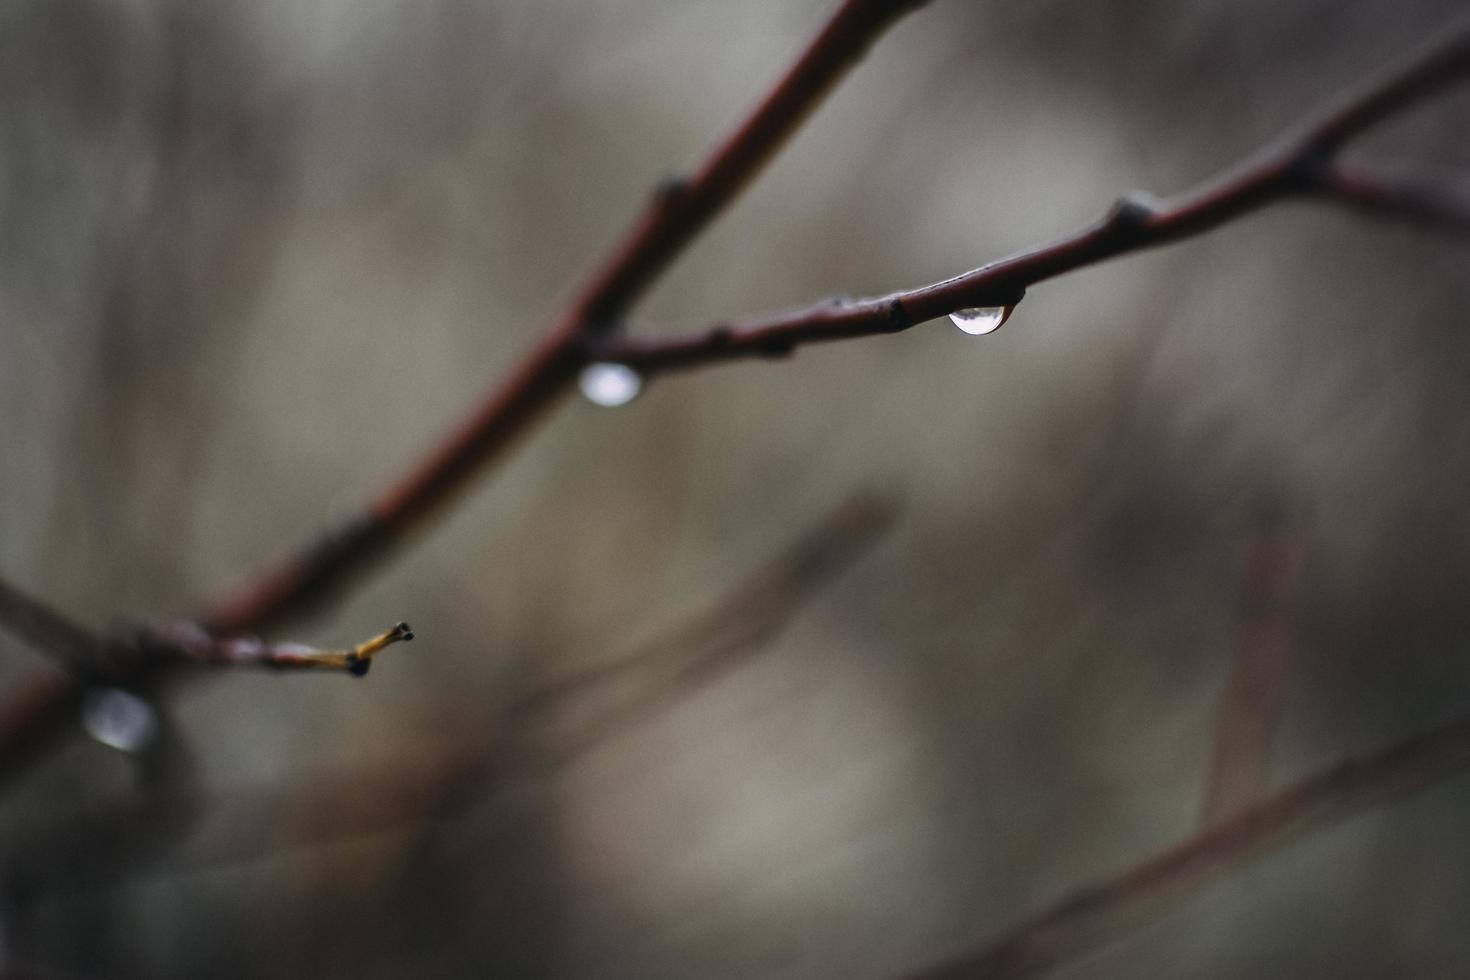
828, 667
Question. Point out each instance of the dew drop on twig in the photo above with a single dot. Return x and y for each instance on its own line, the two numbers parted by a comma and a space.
118, 719
981, 320
609, 385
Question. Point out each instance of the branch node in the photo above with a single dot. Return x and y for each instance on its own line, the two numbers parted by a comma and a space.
898, 316
1133, 210
670, 189
1311, 169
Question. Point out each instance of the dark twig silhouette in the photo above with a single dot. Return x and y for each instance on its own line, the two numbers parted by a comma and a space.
1302, 166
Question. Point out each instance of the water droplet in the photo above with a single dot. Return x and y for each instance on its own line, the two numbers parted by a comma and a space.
981, 320
609, 385
118, 719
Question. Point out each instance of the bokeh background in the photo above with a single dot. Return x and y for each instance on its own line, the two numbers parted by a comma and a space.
255, 256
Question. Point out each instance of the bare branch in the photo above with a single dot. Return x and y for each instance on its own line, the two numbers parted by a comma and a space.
1436, 67
1101, 912
1298, 165
1252, 701
1434, 204
183, 641
46, 629
678, 212
737, 625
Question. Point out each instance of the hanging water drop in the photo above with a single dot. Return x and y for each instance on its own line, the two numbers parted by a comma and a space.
981, 320
609, 385
118, 719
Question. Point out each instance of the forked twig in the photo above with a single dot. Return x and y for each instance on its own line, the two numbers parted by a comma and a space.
681, 208
1300, 165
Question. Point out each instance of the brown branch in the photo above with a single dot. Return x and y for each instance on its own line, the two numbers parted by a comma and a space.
1093, 916
1299, 165
244, 823
559, 721
1420, 201
47, 630
181, 641
679, 210
1252, 702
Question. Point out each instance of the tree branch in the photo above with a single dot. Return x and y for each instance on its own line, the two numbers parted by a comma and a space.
559, 721
678, 211
1299, 165
1100, 913
1252, 701
46, 629
1415, 199
185, 642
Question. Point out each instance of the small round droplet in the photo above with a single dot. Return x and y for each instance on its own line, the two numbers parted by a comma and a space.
609, 385
118, 719
981, 320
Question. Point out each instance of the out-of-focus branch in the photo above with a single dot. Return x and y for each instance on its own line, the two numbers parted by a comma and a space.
1302, 164
1432, 203
1101, 912
245, 823
679, 210
605, 699
46, 629
139, 834
1298, 166
1252, 701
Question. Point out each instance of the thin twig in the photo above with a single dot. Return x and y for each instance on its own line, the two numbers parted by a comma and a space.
608, 698
1300, 165
1102, 912
187, 642
1295, 167
1422, 201
244, 822
47, 630
678, 211
1252, 701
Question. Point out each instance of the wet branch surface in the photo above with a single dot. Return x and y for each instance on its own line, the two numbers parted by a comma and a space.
32, 716
1301, 166
679, 209
126, 836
